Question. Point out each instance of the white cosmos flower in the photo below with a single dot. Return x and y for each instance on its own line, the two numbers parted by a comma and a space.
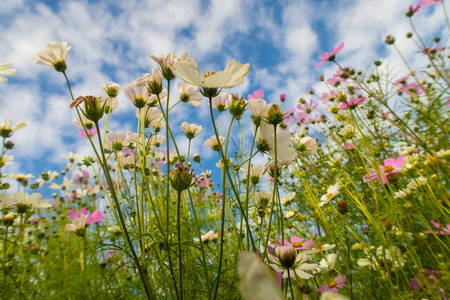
326, 264
111, 88
190, 130
54, 55
384, 259
331, 193
288, 198
233, 74
6, 70
189, 93
220, 102
6, 129
307, 145
87, 123
117, 140
266, 143
19, 199
258, 107
152, 116
214, 143
257, 171
137, 94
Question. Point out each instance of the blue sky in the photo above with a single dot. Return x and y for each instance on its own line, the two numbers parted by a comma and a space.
112, 40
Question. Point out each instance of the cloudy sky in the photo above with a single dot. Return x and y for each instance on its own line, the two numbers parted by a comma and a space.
111, 41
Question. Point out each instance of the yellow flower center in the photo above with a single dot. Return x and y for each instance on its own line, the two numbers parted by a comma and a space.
330, 195
209, 73
332, 284
388, 169
297, 244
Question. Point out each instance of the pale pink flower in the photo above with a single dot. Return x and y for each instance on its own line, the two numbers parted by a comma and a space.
96, 216
352, 103
307, 107
330, 56
428, 2
296, 242
258, 94
90, 132
333, 285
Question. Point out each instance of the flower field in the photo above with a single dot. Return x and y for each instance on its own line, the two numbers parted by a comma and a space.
346, 195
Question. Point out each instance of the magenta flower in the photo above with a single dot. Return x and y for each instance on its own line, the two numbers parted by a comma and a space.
412, 10
388, 170
352, 103
333, 285
282, 97
96, 216
428, 2
330, 56
258, 94
297, 243
350, 146
446, 230
91, 132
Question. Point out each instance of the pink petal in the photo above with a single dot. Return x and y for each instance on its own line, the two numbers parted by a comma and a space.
73, 213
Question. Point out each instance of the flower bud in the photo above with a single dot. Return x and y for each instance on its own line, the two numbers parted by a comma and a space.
275, 115
287, 255
342, 207
196, 157
237, 106
390, 40
181, 178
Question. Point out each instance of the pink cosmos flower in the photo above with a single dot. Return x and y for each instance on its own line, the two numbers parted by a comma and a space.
297, 243
91, 132
446, 230
431, 51
314, 119
412, 88
290, 112
204, 182
428, 2
402, 80
412, 10
307, 107
109, 258
96, 216
258, 94
301, 116
352, 103
388, 170
115, 185
326, 98
330, 56
333, 285
428, 278
81, 180
282, 97
350, 146
335, 80
288, 121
